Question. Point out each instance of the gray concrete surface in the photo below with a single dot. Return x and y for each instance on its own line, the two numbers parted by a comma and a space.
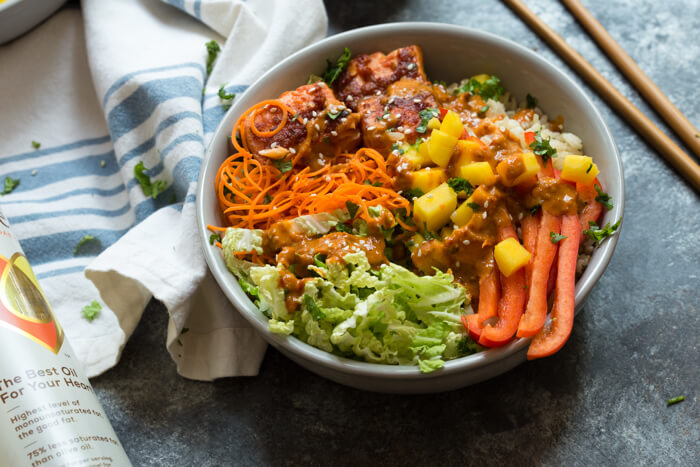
600, 401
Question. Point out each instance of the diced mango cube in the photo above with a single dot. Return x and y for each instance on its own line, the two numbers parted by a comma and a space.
452, 124
518, 168
478, 173
579, 169
416, 158
463, 213
510, 256
466, 149
440, 146
428, 179
432, 210
446, 232
481, 78
434, 123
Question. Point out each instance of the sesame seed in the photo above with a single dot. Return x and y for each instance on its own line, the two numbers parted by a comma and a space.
419, 253
466, 242
273, 145
429, 196
314, 113
407, 131
391, 100
455, 227
486, 204
320, 154
379, 93
397, 115
292, 150
334, 133
33, 172
318, 128
520, 216
370, 128
417, 101
349, 98
483, 216
457, 263
321, 84
344, 119
306, 120
273, 110
411, 66
103, 163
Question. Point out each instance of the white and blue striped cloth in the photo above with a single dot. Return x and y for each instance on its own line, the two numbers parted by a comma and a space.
102, 90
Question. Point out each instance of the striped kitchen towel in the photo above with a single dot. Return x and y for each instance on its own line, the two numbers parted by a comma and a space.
87, 97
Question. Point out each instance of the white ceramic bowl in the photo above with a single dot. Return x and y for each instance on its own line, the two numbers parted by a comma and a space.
19, 16
450, 53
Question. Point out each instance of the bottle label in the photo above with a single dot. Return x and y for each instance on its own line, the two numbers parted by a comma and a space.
49, 413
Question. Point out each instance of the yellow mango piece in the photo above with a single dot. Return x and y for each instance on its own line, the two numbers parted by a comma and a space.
478, 173
463, 213
434, 123
466, 149
510, 256
446, 232
518, 168
452, 124
579, 169
481, 78
440, 146
416, 158
428, 179
432, 210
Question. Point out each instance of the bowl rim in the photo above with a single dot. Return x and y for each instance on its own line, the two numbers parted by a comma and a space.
354, 367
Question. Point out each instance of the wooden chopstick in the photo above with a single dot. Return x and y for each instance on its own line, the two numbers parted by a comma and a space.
646, 87
650, 132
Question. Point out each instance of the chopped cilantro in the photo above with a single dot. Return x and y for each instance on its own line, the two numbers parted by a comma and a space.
589, 167
83, 241
474, 206
213, 49
489, 89
483, 109
375, 183
340, 227
597, 234
225, 97
459, 184
267, 199
312, 307
603, 198
36, 144
556, 238
334, 115
675, 400
467, 346
283, 165
149, 188
91, 311
427, 234
397, 148
333, 71
412, 193
313, 79
542, 148
533, 210
530, 101
184, 331
10, 184
425, 116
213, 238
352, 208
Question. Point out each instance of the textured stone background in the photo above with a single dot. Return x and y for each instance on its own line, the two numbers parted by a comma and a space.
601, 400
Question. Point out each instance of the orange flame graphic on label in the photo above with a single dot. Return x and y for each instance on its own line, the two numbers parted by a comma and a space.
23, 306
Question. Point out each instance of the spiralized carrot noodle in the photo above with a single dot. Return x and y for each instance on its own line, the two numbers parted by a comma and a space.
252, 193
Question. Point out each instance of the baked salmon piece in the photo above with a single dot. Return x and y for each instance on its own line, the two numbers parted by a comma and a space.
394, 117
369, 75
318, 127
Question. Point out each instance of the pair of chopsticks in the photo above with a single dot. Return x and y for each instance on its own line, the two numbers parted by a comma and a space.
685, 165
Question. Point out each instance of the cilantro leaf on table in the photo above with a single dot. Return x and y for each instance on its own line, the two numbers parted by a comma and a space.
91, 311
152, 189
226, 97
10, 185
213, 49
83, 241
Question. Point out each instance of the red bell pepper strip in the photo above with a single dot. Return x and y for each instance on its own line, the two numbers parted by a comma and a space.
529, 226
536, 310
552, 338
443, 112
529, 137
593, 209
552, 281
510, 304
489, 292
